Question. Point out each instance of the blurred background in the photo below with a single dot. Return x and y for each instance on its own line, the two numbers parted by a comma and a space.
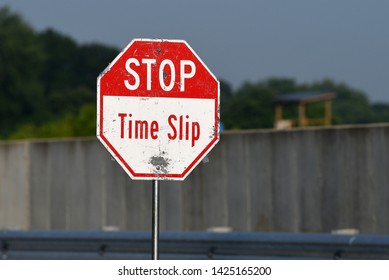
52, 52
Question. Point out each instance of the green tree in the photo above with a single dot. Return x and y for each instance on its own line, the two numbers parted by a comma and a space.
350, 106
70, 71
250, 107
21, 58
46, 79
380, 112
226, 94
69, 125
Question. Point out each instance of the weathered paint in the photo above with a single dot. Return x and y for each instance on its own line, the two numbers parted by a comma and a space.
158, 109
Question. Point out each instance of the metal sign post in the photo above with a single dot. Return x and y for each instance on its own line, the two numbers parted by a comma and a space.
155, 231
158, 113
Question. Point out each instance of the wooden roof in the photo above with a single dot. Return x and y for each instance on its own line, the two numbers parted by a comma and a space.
304, 97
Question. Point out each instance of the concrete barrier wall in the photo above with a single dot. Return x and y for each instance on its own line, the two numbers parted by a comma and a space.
308, 180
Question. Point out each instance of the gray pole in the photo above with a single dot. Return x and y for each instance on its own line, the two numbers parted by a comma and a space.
155, 231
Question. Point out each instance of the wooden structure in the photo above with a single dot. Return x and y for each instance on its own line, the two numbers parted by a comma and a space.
301, 99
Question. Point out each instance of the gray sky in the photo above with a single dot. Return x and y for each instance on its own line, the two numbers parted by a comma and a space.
241, 40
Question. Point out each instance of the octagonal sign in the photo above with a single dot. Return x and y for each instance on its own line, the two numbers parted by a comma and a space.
158, 109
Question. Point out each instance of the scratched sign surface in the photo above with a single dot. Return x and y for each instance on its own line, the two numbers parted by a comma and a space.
158, 109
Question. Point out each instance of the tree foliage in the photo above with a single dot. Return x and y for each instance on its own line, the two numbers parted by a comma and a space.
46, 79
252, 106
48, 88
21, 60
69, 125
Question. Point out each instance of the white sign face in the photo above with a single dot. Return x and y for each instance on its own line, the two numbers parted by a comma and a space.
159, 116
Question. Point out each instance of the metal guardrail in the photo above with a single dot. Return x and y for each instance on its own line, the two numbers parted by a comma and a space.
189, 245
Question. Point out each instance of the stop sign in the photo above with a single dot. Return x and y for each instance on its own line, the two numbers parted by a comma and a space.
158, 109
